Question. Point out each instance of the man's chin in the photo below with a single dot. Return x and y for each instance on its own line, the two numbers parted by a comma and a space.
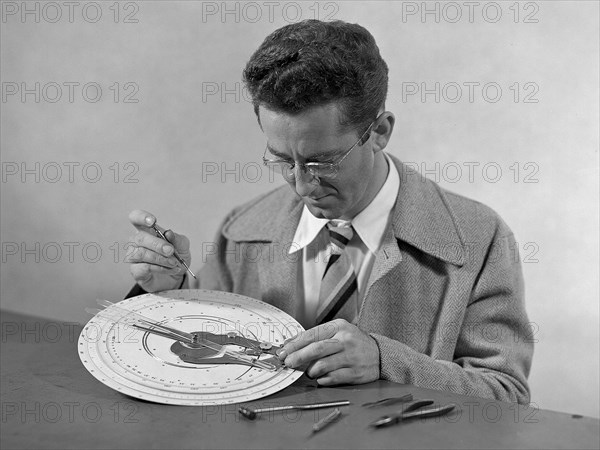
322, 212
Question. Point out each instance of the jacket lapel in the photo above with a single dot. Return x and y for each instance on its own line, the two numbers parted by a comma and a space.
422, 218
271, 229
279, 275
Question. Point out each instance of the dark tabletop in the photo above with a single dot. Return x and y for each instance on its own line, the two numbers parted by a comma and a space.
49, 400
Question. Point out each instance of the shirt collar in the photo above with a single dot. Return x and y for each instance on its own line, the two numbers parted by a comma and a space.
425, 216
369, 224
307, 230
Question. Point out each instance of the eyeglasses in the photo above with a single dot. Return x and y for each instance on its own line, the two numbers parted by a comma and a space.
317, 170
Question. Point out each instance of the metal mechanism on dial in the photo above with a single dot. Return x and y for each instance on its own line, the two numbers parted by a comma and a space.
197, 353
148, 347
201, 347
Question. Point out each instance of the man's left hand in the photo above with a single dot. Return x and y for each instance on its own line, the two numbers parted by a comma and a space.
336, 352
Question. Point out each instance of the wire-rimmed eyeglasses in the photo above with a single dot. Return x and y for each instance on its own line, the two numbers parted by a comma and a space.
317, 170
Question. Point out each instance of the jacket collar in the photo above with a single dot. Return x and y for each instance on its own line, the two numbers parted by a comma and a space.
422, 217
272, 217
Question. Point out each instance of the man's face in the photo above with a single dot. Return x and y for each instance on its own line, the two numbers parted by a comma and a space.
315, 135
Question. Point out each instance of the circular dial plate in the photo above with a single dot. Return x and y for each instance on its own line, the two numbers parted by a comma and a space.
141, 364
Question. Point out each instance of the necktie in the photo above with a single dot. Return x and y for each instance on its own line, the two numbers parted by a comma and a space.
338, 294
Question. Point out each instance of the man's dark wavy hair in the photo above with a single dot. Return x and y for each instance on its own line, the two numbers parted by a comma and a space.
312, 63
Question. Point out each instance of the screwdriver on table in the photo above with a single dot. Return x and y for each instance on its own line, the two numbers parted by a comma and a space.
251, 414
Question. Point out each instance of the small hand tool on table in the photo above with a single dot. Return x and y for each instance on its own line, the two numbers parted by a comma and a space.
389, 401
413, 410
251, 414
325, 421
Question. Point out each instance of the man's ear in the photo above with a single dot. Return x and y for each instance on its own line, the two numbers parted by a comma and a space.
382, 131
257, 112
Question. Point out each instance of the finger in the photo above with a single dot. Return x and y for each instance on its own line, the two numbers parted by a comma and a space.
151, 242
318, 333
292, 330
321, 367
140, 255
141, 219
312, 352
345, 375
143, 273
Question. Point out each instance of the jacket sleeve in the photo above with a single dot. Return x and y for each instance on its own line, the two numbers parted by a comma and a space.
494, 344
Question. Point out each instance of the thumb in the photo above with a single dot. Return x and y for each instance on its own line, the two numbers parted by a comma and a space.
179, 241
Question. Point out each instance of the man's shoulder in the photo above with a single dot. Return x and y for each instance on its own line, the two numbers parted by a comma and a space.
431, 211
271, 200
467, 208
263, 216
474, 217
423, 186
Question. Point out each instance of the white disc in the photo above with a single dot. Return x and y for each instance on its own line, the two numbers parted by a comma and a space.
142, 365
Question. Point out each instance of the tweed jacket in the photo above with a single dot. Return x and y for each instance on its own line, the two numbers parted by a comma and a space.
445, 298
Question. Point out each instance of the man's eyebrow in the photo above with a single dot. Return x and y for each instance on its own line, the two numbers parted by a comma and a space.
276, 153
320, 155
327, 155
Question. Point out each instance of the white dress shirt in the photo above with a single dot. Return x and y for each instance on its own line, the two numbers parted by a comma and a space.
312, 238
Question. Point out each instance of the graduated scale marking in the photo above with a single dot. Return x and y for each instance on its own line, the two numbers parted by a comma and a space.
241, 366
198, 347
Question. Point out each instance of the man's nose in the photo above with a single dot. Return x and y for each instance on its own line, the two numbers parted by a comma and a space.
305, 182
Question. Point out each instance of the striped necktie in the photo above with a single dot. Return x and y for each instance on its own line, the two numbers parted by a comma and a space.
338, 294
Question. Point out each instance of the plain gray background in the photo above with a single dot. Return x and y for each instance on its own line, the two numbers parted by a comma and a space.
171, 131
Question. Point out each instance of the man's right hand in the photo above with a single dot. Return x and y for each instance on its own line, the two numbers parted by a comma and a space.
153, 265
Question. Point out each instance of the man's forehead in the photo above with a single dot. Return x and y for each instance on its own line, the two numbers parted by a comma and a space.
321, 119
314, 134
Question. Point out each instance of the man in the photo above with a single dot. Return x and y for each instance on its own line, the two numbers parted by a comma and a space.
392, 276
